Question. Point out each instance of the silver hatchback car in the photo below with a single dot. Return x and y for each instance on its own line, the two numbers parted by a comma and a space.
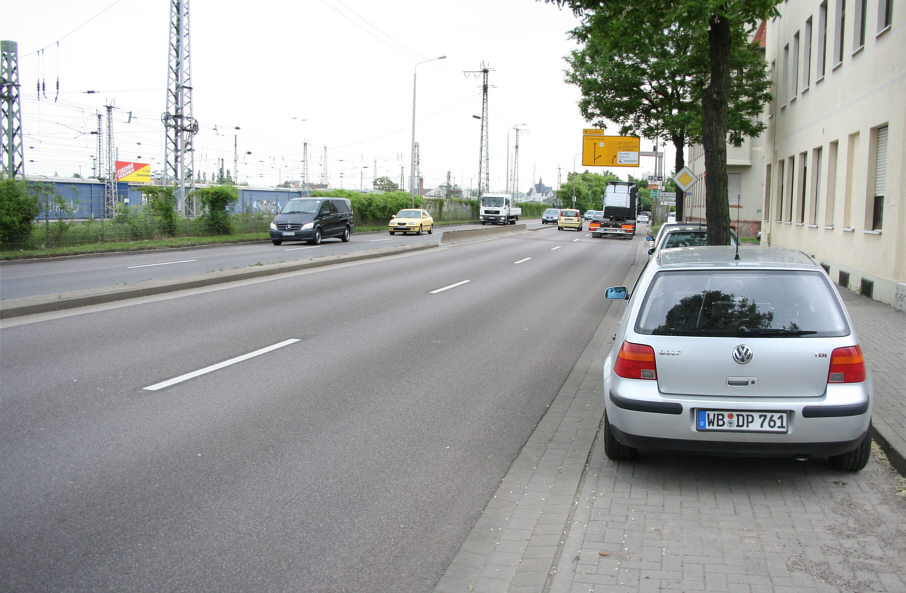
736, 352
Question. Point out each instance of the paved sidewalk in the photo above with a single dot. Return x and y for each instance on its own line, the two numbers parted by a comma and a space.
882, 335
536, 532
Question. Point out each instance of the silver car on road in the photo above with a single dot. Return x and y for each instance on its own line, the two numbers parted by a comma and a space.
736, 351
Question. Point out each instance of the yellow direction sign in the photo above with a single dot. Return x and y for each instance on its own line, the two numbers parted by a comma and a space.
599, 150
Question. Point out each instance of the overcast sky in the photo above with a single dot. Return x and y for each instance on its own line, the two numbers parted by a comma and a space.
337, 73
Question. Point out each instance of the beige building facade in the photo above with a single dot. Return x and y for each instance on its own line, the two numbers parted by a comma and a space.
827, 175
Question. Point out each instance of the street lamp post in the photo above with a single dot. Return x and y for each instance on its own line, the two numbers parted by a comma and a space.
412, 180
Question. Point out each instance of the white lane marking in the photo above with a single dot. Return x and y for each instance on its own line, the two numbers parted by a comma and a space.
449, 287
574, 240
379, 240
556, 248
522, 261
219, 365
166, 263
300, 248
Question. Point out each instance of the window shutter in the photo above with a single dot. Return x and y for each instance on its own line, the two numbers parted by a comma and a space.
881, 163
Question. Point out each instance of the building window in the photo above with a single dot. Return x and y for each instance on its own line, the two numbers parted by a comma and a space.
816, 186
807, 55
767, 193
880, 190
852, 149
772, 106
885, 14
803, 176
794, 71
791, 178
780, 178
859, 24
839, 26
785, 76
832, 157
822, 40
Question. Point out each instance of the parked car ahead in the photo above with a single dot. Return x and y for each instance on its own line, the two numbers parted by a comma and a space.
569, 219
754, 356
685, 235
411, 220
311, 219
550, 216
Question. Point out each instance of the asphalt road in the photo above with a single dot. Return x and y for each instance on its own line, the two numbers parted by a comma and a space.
52, 276
340, 429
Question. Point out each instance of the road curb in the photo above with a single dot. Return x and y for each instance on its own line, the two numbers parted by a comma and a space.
518, 542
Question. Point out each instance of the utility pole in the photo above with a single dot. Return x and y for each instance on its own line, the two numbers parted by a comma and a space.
305, 183
484, 177
13, 158
110, 197
180, 126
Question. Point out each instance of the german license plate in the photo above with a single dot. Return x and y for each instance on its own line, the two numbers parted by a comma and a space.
741, 421
289, 233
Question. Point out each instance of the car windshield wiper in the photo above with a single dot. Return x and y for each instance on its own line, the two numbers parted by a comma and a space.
773, 331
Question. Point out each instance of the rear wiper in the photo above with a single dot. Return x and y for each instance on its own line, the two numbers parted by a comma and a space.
773, 331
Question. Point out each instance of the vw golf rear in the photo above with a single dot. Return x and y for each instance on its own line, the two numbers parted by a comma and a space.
750, 356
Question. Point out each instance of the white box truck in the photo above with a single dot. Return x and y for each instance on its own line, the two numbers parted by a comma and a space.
498, 209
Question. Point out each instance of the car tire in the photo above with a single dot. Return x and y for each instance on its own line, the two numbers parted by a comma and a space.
559, 228
345, 236
855, 460
613, 448
316, 240
419, 231
431, 230
392, 233
276, 241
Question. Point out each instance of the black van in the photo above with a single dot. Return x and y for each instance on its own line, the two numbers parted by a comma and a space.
311, 219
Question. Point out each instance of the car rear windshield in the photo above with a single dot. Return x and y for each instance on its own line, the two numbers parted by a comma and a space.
569, 213
755, 303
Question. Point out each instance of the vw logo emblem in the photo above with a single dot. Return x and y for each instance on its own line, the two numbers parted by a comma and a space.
742, 354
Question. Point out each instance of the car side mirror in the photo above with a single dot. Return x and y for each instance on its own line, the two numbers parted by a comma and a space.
616, 293
651, 251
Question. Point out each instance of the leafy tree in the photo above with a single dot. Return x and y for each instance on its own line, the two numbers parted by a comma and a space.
385, 184
18, 207
677, 68
215, 200
588, 189
162, 204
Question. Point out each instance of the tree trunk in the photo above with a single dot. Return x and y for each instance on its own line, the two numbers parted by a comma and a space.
679, 144
714, 132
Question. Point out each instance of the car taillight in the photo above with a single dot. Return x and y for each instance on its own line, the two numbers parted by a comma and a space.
847, 365
636, 361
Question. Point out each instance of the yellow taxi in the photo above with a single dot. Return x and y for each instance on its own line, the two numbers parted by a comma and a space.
569, 219
412, 220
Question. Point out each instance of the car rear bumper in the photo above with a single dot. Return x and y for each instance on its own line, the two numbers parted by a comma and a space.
735, 448
829, 425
